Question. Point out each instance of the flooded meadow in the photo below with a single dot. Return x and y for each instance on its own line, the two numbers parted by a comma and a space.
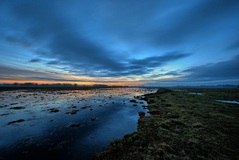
72, 124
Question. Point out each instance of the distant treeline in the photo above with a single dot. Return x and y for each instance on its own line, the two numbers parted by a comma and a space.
58, 85
37, 85
76, 86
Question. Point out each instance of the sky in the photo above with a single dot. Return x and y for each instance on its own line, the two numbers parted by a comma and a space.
136, 42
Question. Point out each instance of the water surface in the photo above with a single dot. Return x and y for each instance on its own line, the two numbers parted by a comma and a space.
65, 124
227, 101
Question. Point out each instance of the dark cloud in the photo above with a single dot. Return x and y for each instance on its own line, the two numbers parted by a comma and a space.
53, 62
70, 80
233, 46
137, 66
56, 79
12, 73
132, 20
115, 39
35, 60
215, 71
18, 40
78, 51
225, 72
85, 56
143, 66
170, 73
7, 72
64, 43
156, 61
195, 23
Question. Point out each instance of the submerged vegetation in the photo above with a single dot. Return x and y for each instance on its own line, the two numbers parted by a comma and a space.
183, 125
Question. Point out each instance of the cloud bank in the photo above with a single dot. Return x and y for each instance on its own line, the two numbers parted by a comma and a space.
129, 39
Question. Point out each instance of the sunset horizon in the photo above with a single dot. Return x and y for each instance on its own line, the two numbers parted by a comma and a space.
120, 43
119, 79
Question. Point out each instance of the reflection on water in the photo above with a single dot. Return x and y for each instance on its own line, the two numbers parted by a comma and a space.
197, 93
226, 101
72, 124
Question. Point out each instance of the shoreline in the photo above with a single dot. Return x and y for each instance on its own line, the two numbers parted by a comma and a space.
183, 125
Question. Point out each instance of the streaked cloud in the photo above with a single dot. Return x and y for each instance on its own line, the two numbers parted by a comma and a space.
130, 40
224, 72
35, 60
215, 71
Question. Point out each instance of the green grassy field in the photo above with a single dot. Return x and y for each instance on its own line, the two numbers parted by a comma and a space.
184, 124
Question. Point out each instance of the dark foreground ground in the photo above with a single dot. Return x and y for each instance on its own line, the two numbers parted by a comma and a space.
184, 124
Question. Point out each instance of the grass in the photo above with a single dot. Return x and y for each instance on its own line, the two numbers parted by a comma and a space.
183, 126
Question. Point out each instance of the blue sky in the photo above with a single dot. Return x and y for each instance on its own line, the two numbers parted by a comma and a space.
152, 42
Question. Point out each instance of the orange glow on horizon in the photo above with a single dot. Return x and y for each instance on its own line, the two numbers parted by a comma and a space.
113, 83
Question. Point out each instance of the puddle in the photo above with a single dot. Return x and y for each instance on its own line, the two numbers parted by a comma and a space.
197, 93
226, 101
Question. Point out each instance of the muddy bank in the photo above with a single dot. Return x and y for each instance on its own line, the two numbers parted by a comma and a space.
183, 125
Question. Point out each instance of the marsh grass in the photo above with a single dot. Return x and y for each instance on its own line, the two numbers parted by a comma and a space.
183, 126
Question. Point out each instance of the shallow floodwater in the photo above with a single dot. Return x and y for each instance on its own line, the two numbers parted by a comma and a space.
197, 93
226, 101
66, 124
